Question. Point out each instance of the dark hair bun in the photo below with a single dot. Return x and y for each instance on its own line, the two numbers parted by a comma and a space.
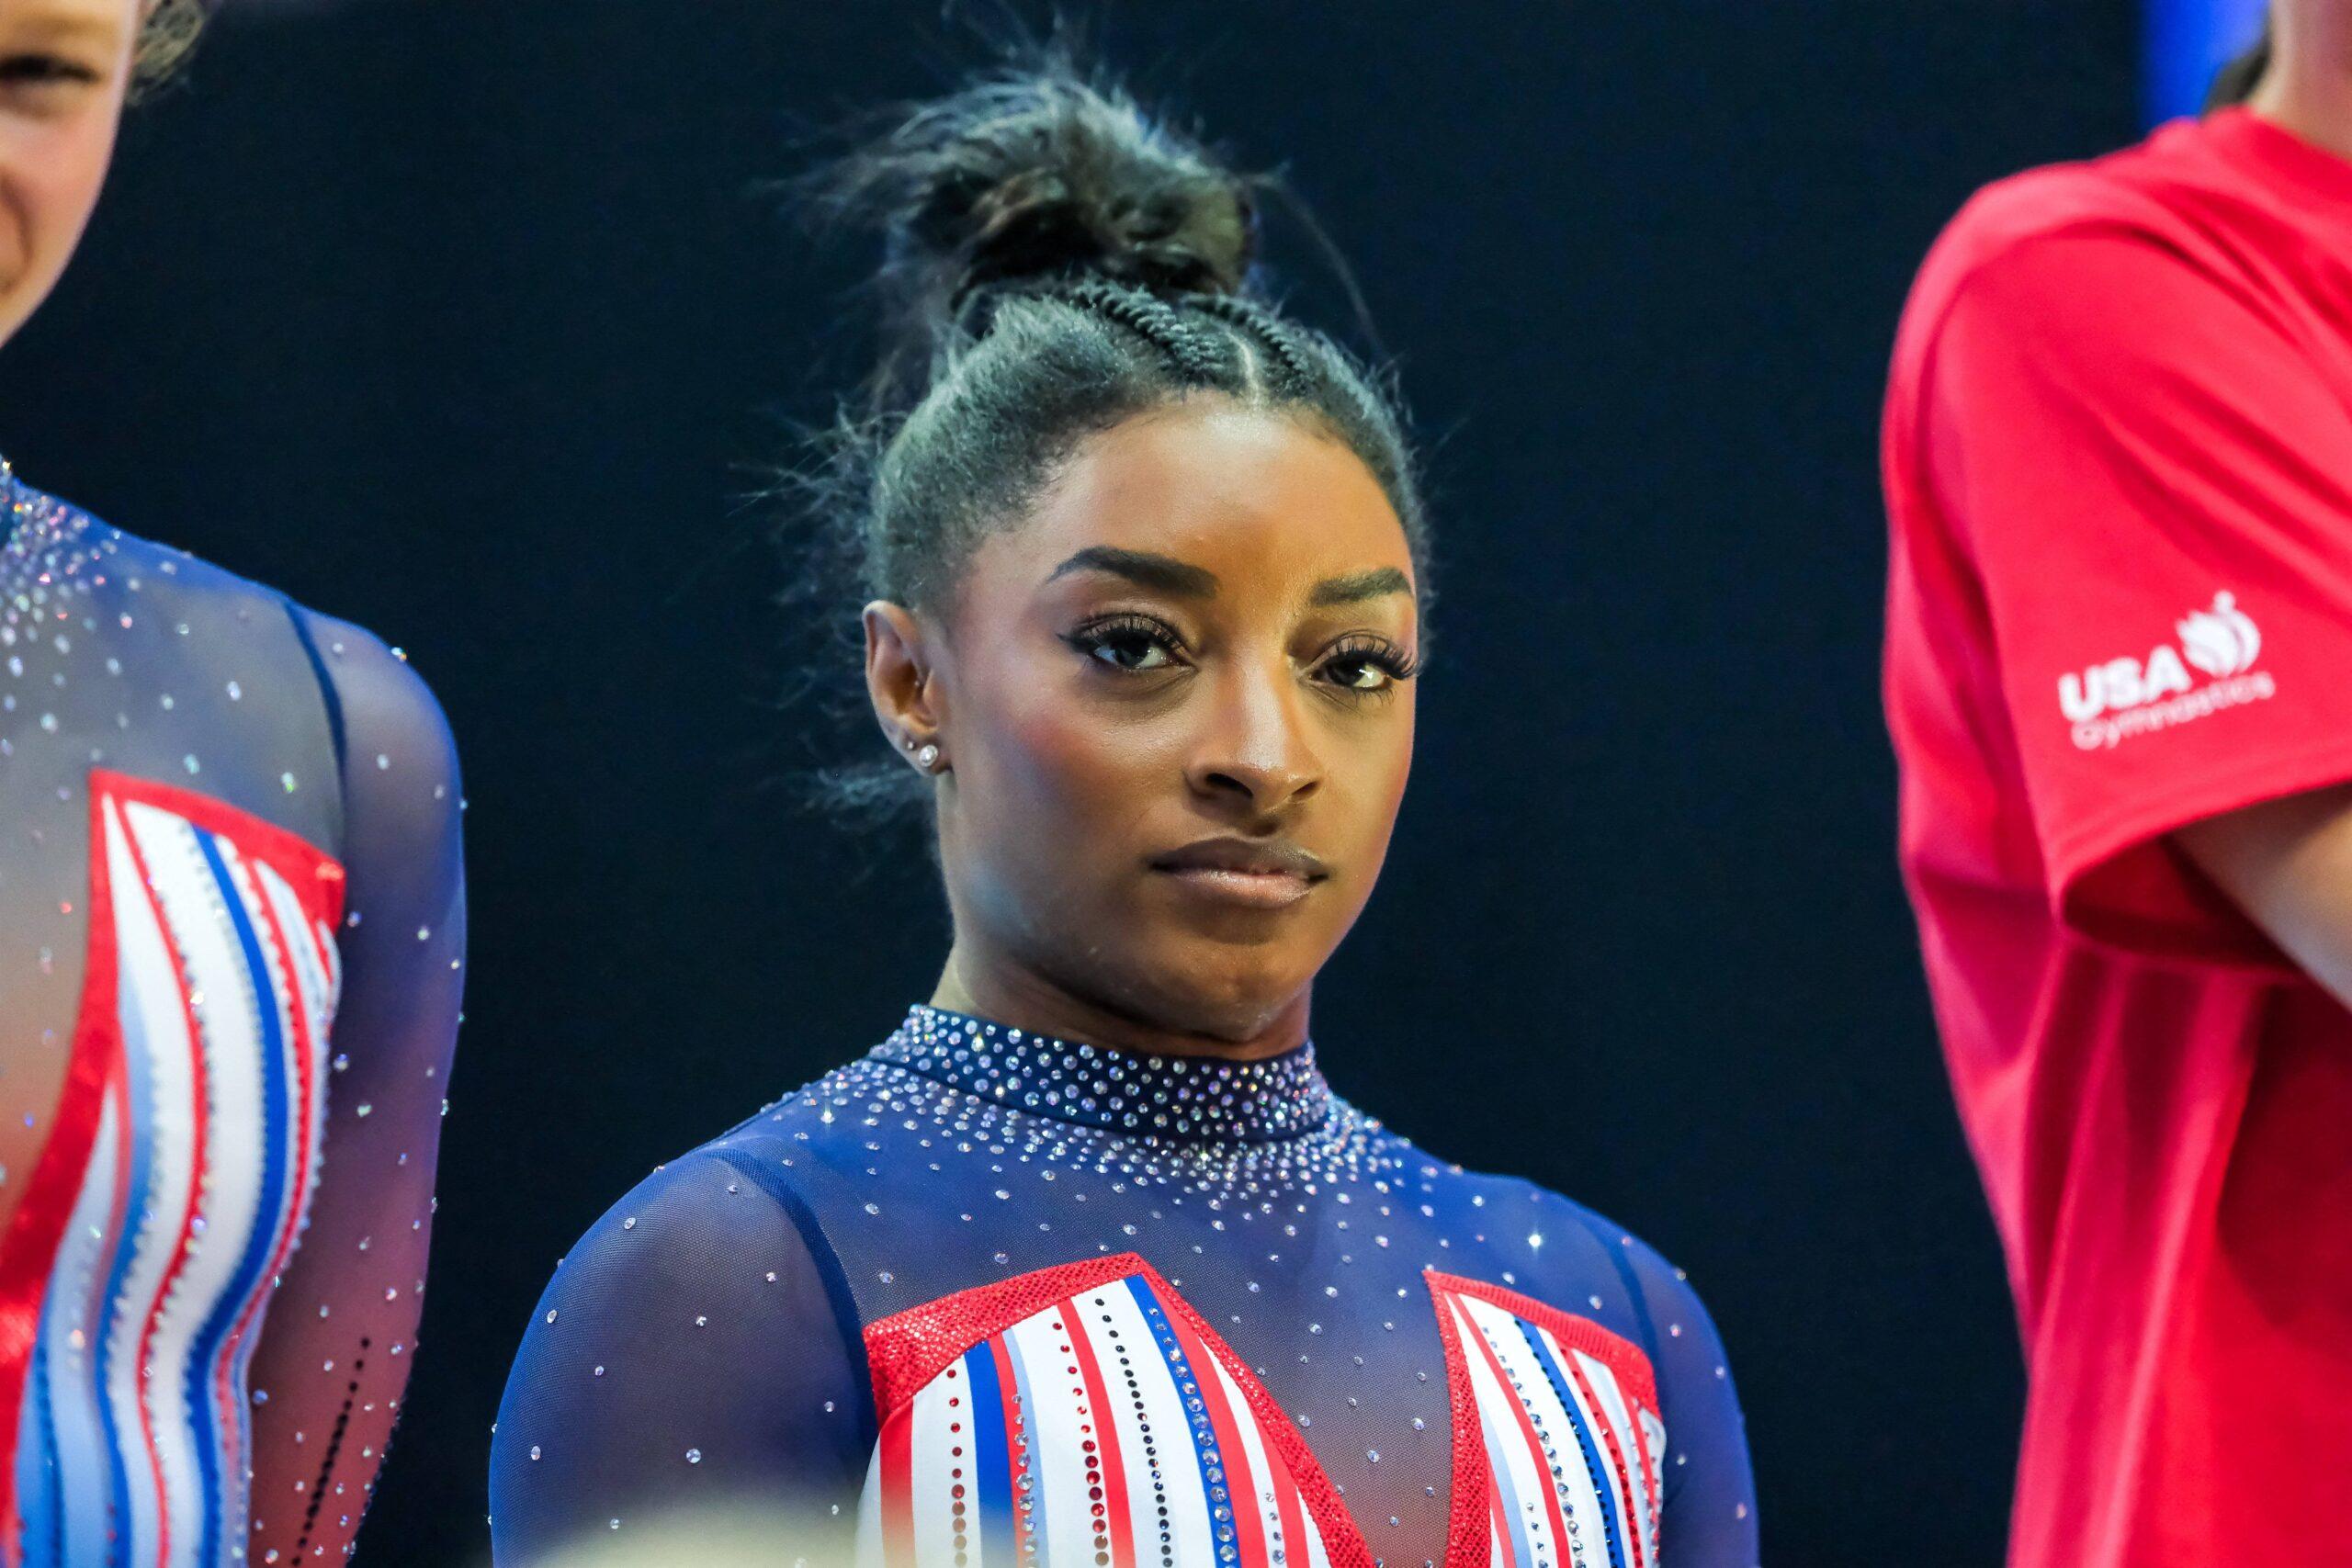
1038, 177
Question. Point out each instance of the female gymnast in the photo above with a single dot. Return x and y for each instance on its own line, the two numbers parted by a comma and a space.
231, 928
1086, 1263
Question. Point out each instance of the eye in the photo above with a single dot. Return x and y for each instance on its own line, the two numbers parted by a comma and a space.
39, 87
1135, 645
1367, 667
42, 70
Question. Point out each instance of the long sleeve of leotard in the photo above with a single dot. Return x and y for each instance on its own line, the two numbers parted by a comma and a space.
341, 1330
1709, 1519
694, 1373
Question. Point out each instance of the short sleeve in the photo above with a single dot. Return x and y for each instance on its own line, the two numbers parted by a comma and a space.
2143, 455
690, 1374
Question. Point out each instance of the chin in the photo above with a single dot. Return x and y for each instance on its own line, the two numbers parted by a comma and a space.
1221, 998
20, 296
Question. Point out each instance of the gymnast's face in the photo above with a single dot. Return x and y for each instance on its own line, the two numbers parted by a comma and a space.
1176, 715
64, 65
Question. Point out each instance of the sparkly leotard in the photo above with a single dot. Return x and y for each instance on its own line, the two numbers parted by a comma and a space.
230, 925
984, 1298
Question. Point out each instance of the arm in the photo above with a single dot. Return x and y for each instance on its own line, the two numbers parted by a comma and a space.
2123, 436
2288, 863
334, 1347
1709, 1518
694, 1373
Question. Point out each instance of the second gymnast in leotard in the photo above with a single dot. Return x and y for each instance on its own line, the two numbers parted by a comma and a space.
232, 936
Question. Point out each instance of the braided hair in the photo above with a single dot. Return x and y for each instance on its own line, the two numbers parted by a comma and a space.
1055, 263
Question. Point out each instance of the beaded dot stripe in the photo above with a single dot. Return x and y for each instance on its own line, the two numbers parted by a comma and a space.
1087, 1409
1191, 1097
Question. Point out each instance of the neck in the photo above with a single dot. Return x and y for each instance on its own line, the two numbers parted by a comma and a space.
2308, 87
1009, 993
1188, 1100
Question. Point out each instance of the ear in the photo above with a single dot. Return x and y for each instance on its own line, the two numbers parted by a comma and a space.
899, 677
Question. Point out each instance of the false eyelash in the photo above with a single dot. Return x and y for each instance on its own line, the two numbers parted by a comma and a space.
1379, 653
1095, 633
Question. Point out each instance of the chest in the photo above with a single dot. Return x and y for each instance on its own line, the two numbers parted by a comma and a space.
1091, 1413
114, 664
174, 1169
1351, 1357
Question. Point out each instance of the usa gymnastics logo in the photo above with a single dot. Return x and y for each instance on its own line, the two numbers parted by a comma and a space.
2109, 703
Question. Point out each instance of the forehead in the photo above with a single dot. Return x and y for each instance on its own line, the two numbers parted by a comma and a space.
1257, 497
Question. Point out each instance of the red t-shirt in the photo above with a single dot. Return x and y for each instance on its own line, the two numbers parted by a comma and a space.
2118, 460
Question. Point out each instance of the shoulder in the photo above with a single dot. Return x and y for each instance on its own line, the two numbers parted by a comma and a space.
756, 1190
373, 697
2048, 232
1593, 1263
1630, 1257
114, 563
2052, 199
385, 713
729, 1201
712, 1246
678, 1222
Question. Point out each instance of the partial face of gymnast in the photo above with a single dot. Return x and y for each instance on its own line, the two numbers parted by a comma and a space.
1173, 711
65, 67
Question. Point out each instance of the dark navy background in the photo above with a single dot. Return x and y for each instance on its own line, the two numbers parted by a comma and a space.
477, 322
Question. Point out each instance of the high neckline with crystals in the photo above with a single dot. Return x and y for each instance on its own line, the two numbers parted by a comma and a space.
1174, 1098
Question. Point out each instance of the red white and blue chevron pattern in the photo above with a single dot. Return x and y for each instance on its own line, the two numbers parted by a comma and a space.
1087, 1414
1558, 1440
1084, 1415
173, 1186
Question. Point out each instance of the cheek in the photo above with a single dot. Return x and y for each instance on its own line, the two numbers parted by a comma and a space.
1379, 767
51, 172
1034, 773
1399, 752
1058, 759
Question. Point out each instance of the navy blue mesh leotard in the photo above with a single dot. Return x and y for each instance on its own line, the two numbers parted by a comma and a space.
984, 1298
231, 926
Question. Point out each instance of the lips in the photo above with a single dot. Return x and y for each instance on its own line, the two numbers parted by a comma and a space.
1257, 873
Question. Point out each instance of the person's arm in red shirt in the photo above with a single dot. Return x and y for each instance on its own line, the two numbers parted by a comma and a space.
2288, 863
2119, 429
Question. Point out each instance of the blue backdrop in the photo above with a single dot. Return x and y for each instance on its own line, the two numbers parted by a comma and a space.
2187, 40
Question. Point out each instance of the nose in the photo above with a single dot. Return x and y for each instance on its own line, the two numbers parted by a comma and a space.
1255, 752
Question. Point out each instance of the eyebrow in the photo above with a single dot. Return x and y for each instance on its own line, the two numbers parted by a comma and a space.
1143, 568
1172, 576
1357, 586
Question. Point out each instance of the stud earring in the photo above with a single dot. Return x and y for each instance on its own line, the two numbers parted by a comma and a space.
928, 758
